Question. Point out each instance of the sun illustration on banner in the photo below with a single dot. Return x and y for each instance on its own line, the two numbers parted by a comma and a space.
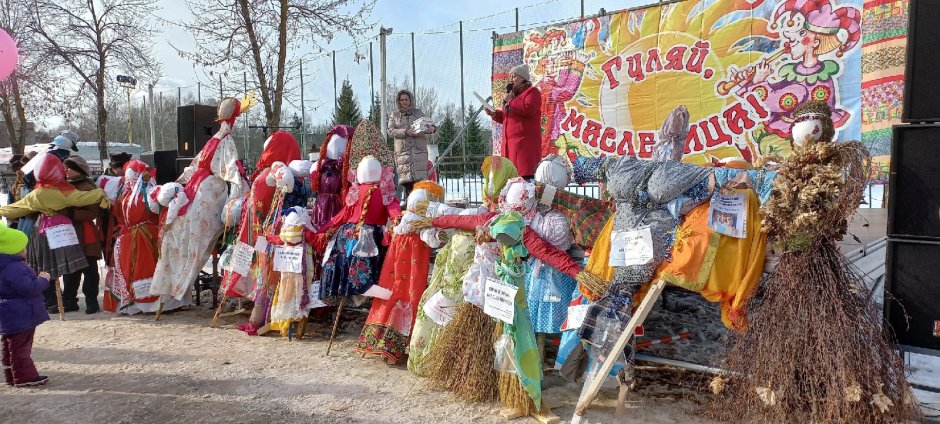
739, 66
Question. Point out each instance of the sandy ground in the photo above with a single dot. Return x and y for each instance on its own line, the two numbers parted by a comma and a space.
117, 369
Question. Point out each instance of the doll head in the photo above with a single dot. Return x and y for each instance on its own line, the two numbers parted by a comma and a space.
369, 170
812, 123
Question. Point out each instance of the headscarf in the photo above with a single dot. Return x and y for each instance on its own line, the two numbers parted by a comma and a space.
410, 109
367, 140
518, 196
281, 147
508, 229
344, 131
672, 136
497, 170
50, 174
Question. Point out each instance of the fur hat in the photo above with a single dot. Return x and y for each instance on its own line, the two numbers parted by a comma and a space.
521, 71
11, 241
119, 159
78, 163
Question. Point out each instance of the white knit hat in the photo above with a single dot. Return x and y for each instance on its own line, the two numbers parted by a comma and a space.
520, 71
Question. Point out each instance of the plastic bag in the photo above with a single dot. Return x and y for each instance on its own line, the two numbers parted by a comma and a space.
401, 317
365, 247
505, 360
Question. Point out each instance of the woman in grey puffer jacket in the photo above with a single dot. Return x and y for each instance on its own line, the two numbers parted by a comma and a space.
411, 148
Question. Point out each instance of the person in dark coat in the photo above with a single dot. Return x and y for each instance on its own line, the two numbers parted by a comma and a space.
83, 218
522, 123
21, 309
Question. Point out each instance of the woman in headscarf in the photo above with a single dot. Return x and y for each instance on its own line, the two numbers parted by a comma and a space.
411, 145
50, 197
83, 218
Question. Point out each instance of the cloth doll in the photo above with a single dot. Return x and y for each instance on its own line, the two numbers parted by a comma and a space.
327, 174
292, 298
405, 274
188, 238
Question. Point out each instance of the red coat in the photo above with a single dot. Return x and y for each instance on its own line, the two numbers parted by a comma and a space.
522, 130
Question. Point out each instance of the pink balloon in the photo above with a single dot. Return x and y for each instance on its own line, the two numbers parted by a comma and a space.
8, 55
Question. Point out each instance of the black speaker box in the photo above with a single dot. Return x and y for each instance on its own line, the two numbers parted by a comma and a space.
921, 91
195, 125
914, 184
165, 163
912, 306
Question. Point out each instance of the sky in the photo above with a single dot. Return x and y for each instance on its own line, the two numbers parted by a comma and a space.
401, 15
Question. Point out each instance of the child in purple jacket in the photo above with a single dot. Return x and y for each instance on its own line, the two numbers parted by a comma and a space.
22, 309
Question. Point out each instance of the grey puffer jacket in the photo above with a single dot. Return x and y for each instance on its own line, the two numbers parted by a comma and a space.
411, 153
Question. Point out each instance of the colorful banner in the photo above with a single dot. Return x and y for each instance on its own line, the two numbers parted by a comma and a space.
884, 43
739, 66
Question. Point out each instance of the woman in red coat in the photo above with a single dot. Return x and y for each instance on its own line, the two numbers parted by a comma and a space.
522, 123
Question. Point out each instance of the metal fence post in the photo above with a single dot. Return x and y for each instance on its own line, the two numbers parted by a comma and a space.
582, 9
221, 93
517, 17
463, 107
371, 77
247, 114
383, 32
303, 115
179, 96
199, 93
414, 73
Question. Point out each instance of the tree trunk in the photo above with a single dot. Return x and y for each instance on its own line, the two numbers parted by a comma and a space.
18, 143
6, 108
274, 119
259, 63
102, 127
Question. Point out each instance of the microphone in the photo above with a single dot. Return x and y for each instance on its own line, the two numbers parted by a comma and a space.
506, 99
509, 87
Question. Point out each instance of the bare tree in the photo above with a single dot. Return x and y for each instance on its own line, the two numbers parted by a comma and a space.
33, 88
261, 36
96, 39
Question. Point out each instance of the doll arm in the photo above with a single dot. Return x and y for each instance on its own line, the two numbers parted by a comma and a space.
542, 250
461, 222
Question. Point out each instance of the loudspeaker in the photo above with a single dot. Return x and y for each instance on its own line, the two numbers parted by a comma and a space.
165, 164
914, 184
921, 90
912, 306
195, 125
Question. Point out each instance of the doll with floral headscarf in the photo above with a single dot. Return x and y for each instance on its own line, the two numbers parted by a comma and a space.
188, 237
405, 276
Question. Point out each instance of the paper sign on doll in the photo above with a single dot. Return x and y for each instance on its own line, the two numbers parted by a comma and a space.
61, 236
727, 214
241, 258
261, 245
288, 259
440, 309
576, 316
634, 247
499, 300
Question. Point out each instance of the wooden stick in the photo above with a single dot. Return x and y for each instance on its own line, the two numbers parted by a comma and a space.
301, 328
218, 311
160, 309
635, 321
339, 311
622, 397
58, 299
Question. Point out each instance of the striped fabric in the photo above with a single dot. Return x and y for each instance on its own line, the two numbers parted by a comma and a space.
884, 39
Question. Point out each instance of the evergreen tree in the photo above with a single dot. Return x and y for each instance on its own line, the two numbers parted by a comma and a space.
444, 135
347, 110
473, 136
375, 111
